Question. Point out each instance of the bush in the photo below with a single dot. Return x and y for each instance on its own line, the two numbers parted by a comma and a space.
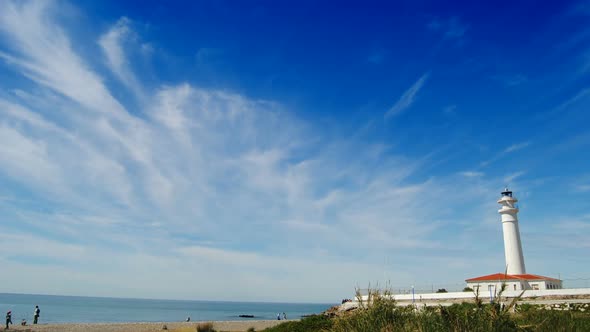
468, 289
381, 313
441, 290
384, 315
205, 327
307, 324
543, 320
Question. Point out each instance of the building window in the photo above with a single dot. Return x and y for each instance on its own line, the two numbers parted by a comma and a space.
535, 286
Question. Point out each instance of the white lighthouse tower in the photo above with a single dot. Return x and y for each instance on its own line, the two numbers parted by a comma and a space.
512, 244
515, 277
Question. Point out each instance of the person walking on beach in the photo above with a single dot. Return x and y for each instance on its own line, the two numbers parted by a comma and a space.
279, 316
284, 316
8, 318
36, 314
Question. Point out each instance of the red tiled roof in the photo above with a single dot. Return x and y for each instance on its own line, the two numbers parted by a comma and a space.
504, 276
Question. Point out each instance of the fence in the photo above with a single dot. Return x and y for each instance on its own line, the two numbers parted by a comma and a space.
567, 283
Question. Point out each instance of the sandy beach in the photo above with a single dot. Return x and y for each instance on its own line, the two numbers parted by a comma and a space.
228, 326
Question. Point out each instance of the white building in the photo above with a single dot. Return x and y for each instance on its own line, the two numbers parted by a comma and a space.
514, 282
515, 276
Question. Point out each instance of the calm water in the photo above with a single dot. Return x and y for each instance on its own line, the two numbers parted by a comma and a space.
66, 309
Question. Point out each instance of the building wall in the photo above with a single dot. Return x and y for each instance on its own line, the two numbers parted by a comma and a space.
506, 294
515, 285
495, 286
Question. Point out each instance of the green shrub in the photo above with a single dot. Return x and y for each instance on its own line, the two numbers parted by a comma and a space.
205, 327
381, 313
308, 324
542, 320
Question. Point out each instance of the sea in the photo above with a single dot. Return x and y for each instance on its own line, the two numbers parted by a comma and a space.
81, 309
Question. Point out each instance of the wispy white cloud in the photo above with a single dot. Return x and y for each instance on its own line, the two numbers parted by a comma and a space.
582, 187
581, 95
566, 232
516, 147
45, 248
508, 179
472, 174
112, 44
508, 150
451, 28
254, 194
407, 98
192, 164
581, 184
45, 55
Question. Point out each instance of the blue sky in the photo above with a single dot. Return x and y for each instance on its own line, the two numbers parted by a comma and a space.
231, 150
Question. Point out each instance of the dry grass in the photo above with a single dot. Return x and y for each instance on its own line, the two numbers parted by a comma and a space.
205, 327
185, 329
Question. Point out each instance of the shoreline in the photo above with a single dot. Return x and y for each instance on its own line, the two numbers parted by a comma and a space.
227, 326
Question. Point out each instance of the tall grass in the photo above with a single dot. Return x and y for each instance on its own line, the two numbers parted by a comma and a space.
205, 327
380, 312
313, 323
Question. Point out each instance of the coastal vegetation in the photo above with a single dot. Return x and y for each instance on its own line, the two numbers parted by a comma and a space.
310, 323
384, 314
205, 327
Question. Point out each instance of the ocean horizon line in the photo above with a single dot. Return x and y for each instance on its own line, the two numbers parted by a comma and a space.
88, 309
168, 299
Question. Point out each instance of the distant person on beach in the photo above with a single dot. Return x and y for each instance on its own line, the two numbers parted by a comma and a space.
188, 319
8, 318
284, 316
278, 316
36, 315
